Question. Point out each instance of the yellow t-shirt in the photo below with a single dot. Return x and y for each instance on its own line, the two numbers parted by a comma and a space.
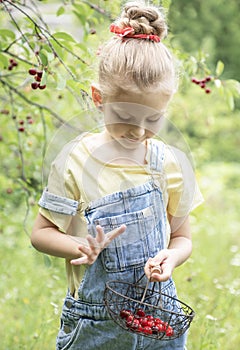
78, 175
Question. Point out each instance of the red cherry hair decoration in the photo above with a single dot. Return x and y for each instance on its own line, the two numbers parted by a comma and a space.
128, 32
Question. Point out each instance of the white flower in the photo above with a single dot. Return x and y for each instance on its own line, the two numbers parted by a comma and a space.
211, 318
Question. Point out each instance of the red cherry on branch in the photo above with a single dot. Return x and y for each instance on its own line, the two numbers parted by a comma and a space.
32, 71
37, 78
21, 129
39, 74
34, 86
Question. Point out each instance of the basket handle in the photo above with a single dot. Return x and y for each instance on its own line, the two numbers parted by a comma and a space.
155, 269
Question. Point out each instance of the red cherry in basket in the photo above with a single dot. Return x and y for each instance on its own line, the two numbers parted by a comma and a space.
150, 323
144, 322
147, 330
137, 317
150, 317
134, 324
124, 313
169, 331
140, 328
140, 313
158, 321
165, 325
160, 327
129, 320
155, 330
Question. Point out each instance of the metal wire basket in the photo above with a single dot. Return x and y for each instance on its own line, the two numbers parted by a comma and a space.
147, 311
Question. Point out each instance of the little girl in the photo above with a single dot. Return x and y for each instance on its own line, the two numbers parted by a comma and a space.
117, 202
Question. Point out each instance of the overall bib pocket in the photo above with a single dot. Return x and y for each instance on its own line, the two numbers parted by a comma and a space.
132, 248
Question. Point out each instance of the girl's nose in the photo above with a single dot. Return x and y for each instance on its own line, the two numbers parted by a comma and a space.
137, 131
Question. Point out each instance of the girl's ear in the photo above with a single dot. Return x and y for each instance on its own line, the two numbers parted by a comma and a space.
96, 95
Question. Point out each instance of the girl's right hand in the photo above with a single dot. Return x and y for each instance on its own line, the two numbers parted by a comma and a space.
96, 245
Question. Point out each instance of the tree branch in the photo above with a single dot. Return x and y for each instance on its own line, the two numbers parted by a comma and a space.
38, 105
17, 26
99, 10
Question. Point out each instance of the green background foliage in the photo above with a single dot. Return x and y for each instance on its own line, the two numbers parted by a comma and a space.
211, 26
62, 38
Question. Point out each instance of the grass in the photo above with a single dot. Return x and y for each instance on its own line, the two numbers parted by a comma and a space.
210, 281
32, 287
31, 295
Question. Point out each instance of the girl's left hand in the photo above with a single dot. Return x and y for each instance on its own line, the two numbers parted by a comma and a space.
94, 246
162, 259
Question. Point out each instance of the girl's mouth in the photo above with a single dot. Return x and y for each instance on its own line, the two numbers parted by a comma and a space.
133, 140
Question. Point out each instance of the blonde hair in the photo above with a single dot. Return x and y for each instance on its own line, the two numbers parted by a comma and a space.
137, 65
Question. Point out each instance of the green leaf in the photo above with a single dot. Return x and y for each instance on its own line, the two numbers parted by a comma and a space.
82, 18
83, 47
3, 61
58, 50
6, 33
44, 78
43, 57
63, 36
50, 56
61, 82
230, 100
60, 11
68, 45
234, 87
219, 68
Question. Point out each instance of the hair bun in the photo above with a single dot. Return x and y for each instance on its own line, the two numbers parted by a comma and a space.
143, 19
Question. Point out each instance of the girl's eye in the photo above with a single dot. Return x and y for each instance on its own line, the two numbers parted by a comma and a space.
154, 120
122, 117
156, 117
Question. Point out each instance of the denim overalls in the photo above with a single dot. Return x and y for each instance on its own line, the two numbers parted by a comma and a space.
85, 323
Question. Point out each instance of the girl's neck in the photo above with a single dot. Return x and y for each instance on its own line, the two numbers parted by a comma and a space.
107, 150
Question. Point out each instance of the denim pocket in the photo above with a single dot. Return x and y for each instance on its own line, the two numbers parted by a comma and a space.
67, 334
71, 322
133, 247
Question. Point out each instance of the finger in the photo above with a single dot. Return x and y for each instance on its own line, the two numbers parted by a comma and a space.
156, 273
84, 249
156, 270
159, 271
158, 259
100, 234
93, 244
163, 277
165, 273
79, 261
147, 268
115, 233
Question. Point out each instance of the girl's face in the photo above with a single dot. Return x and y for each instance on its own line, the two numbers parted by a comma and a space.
130, 118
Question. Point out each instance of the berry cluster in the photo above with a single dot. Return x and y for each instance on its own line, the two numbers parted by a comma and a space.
202, 83
12, 64
21, 122
147, 324
38, 77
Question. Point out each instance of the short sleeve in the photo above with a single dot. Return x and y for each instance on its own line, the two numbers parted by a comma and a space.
60, 199
183, 191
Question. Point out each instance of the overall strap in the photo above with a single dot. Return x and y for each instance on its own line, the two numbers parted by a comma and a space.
157, 152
